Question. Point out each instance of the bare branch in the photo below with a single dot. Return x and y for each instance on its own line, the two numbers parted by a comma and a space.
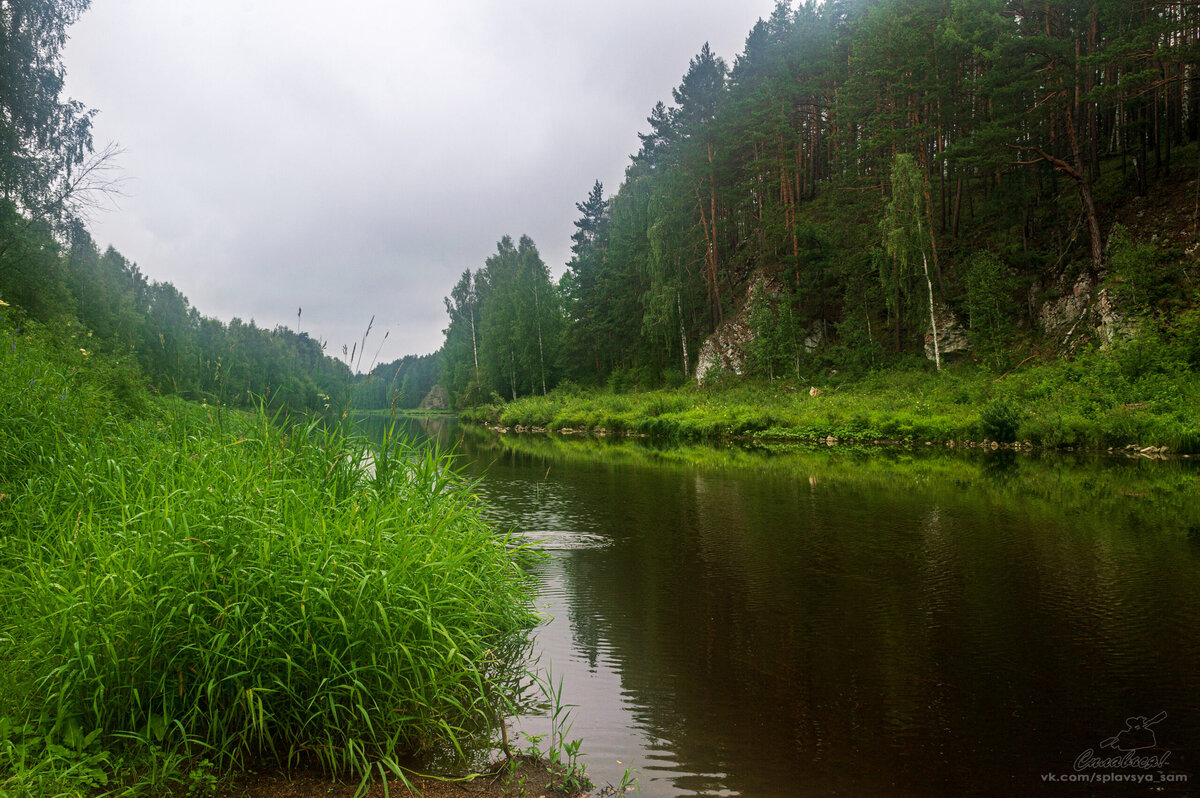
1156, 85
1057, 163
93, 186
1048, 98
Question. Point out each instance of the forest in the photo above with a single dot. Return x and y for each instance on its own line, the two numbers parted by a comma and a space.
875, 168
862, 172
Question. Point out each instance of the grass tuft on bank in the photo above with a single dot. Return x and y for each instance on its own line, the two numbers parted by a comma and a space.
185, 594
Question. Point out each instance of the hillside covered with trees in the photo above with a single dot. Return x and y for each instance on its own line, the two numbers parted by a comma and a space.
876, 167
53, 275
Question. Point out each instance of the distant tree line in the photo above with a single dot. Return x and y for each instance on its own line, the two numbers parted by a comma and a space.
153, 325
865, 163
51, 271
874, 160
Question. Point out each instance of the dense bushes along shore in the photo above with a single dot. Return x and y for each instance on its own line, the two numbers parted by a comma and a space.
1143, 391
185, 594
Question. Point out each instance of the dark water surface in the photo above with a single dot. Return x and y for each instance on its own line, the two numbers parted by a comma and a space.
829, 622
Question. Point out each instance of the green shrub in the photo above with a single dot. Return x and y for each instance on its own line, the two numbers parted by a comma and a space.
990, 305
482, 414
1187, 441
1000, 419
620, 381
1101, 398
1185, 336
1142, 272
475, 395
673, 378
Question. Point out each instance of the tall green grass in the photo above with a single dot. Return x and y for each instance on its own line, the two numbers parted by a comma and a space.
231, 592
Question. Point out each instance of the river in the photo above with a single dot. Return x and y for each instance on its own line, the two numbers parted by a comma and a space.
826, 621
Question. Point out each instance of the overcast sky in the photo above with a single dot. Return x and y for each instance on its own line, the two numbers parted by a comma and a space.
353, 158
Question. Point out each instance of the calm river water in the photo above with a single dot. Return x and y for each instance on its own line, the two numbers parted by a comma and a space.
811, 621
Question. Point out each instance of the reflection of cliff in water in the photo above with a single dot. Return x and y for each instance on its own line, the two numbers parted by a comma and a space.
415, 428
811, 622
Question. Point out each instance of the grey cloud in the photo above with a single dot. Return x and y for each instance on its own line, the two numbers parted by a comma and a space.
354, 158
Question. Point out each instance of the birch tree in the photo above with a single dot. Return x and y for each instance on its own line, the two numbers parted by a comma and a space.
905, 242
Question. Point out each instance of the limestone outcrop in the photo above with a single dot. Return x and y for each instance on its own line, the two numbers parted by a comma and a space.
1070, 310
725, 350
951, 335
437, 400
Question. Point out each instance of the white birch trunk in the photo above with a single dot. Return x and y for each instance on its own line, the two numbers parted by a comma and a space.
682, 333
937, 354
474, 344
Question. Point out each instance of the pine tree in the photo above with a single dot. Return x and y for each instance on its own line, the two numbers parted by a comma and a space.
582, 281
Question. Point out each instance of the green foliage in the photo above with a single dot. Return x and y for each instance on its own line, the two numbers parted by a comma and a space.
568, 776
881, 159
1141, 391
460, 361
399, 385
1143, 274
32, 274
990, 305
620, 381
202, 780
44, 138
581, 288
507, 319
151, 329
232, 593
475, 395
1000, 419
628, 783
1184, 336
774, 348
37, 760
904, 272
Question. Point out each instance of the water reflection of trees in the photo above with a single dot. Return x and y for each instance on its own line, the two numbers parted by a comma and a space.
834, 621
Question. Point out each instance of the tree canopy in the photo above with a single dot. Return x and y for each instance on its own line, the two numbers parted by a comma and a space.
994, 140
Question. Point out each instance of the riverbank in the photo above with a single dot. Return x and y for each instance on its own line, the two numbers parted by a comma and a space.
1140, 396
